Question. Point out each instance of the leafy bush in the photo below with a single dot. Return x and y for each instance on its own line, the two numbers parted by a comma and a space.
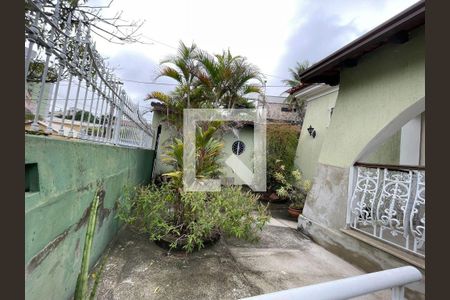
282, 140
293, 186
188, 219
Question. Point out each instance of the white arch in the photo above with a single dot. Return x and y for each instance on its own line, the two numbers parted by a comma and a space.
392, 127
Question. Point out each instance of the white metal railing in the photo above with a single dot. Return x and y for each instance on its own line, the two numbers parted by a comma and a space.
94, 106
394, 279
388, 203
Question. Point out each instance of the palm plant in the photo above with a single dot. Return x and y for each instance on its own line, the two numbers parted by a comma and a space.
227, 79
181, 67
295, 74
174, 106
296, 103
208, 150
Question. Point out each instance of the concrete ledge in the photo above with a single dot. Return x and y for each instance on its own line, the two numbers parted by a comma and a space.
403, 255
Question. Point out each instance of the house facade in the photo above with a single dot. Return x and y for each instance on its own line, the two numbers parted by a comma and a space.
320, 101
367, 203
238, 141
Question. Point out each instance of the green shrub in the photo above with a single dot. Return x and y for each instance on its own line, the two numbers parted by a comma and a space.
188, 219
282, 140
293, 187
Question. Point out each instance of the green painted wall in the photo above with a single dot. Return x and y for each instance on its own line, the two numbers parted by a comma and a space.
384, 83
168, 132
388, 153
246, 136
308, 150
55, 217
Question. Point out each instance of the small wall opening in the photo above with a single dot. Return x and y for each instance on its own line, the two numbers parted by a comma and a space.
31, 178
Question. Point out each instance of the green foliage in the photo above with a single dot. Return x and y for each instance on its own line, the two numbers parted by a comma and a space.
208, 150
29, 116
282, 140
295, 74
188, 219
206, 81
228, 79
86, 115
297, 103
293, 186
36, 71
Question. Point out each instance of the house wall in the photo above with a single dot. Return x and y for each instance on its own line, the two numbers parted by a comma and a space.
168, 132
69, 173
246, 136
384, 83
308, 149
274, 112
387, 153
376, 98
410, 142
422, 141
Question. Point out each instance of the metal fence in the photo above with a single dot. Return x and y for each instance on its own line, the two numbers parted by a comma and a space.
94, 105
388, 203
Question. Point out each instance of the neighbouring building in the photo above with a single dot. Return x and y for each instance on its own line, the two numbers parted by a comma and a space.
366, 108
277, 110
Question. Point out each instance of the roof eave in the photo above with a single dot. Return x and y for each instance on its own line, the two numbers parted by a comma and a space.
327, 69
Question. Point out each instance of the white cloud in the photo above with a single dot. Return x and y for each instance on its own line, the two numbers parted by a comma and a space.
271, 34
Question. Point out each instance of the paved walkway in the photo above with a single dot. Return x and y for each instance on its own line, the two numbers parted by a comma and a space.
283, 258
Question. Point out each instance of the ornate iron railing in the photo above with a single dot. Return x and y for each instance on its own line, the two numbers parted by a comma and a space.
388, 203
94, 106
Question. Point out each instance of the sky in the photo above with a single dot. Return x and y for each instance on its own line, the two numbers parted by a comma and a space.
273, 35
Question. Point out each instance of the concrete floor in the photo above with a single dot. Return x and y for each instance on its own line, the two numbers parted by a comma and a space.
231, 269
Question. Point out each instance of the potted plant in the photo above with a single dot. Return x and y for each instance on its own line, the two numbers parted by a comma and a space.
295, 189
180, 220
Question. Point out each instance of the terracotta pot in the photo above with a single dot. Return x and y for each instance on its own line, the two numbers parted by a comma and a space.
273, 197
294, 213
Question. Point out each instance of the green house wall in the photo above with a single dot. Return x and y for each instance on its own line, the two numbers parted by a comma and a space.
246, 136
308, 149
384, 91
385, 83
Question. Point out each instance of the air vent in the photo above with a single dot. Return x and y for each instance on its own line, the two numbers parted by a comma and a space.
31, 178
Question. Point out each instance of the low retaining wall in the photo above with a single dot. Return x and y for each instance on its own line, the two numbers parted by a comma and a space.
62, 177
